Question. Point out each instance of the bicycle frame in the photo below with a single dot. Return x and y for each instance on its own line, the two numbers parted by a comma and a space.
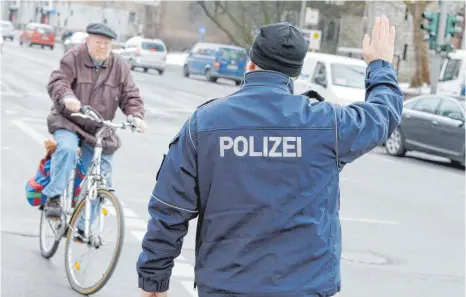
93, 181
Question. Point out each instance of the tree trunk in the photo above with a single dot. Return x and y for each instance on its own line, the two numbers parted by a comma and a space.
422, 73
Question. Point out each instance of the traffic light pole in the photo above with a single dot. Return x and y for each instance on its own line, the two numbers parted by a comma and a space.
437, 58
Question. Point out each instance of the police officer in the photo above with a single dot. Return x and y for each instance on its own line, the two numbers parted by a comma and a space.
260, 169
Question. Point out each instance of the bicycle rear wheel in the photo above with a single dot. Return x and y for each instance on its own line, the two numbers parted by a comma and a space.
49, 243
108, 204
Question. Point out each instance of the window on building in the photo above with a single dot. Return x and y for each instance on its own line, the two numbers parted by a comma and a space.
131, 17
405, 52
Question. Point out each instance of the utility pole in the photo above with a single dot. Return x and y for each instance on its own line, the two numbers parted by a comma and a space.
437, 58
302, 17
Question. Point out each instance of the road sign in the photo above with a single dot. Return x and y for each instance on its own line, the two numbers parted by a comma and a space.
312, 16
314, 37
201, 29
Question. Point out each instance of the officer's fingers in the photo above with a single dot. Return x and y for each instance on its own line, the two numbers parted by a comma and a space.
366, 43
383, 28
392, 36
376, 29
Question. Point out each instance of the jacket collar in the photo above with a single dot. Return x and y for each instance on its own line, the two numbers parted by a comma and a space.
89, 62
269, 78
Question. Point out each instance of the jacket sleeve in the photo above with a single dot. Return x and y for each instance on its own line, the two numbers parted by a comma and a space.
130, 100
61, 81
360, 127
174, 201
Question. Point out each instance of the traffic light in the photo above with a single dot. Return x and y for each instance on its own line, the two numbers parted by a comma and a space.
431, 27
452, 27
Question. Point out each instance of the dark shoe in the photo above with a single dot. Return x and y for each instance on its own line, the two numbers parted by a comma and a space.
79, 236
52, 208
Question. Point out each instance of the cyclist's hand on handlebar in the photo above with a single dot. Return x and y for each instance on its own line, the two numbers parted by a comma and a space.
140, 124
72, 104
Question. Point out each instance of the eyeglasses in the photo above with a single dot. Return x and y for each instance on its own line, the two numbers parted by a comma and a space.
102, 43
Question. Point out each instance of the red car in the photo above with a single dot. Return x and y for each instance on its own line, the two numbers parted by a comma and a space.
38, 34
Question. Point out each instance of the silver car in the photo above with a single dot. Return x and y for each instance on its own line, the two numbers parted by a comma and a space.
75, 40
433, 124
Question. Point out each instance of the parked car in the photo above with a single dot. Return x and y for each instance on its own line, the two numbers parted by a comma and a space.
75, 40
7, 30
38, 34
433, 124
338, 79
145, 53
216, 61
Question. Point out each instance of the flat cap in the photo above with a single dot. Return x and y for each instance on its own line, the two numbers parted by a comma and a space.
101, 29
279, 47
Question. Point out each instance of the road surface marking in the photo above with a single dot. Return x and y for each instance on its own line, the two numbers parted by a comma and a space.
370, 221
11, 111
189, 286
39, 138
6, 87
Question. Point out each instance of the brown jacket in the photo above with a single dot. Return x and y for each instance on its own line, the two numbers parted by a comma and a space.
103, 89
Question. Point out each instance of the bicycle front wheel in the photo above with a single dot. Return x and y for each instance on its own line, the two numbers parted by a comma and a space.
106, 208
49, 228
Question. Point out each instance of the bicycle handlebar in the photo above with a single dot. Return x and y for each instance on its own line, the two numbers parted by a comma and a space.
86, 112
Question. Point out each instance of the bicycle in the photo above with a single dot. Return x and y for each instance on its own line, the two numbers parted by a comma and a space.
93, 188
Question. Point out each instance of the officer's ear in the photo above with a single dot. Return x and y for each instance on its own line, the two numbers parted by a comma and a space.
252, 67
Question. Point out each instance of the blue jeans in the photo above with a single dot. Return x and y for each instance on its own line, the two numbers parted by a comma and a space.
64, 161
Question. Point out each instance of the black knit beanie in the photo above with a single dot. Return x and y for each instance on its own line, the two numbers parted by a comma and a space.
279, 47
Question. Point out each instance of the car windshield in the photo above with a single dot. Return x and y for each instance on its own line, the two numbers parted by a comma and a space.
351, 76
44, 30
233, 54
153, 46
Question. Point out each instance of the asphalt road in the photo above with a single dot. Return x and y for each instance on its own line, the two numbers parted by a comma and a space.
403, 218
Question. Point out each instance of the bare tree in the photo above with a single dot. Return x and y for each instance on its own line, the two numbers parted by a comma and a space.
422, 73
238, 19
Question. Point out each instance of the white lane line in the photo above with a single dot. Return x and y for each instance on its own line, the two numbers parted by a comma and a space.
189, 287
39, 138
11, 112
6, 87
370, 221
183, 270
132, 223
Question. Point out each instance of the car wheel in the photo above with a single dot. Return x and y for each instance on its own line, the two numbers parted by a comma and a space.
42, 46
395, 144
185, 71
160, 71
20, 42
146, 69
238, 82
51, 47
209, 77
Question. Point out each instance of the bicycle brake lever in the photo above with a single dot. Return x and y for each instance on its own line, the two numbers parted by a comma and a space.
79, 115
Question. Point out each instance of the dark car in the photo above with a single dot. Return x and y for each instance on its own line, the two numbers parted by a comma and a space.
433, 124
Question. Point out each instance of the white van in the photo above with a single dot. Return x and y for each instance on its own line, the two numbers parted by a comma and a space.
7, 29
145, 53
338, 79
452, 75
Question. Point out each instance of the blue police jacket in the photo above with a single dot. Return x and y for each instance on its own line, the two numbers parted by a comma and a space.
260, 169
